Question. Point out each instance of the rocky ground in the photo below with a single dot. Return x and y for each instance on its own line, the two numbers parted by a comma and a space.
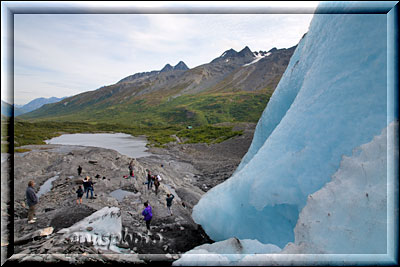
213, 163
188, 171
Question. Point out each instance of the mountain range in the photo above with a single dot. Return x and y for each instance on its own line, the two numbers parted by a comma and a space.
233, 87
32, 105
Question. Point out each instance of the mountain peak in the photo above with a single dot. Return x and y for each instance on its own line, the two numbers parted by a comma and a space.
167, 67
229, 53
246, 52
181, 66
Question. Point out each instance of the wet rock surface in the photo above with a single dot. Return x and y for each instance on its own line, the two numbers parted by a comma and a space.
187, 171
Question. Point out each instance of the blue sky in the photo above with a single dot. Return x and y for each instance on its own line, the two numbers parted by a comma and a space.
66, 54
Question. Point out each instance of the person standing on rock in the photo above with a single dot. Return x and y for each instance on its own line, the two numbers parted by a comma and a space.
149, 181
85, 184
32, 200
89, 186
90, 183
79, 170
153, 179
148, 215
131, 174
80, 195
169, 199
156, 184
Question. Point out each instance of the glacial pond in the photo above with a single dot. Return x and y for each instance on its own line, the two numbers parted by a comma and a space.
119, 194
134, 147
46, 187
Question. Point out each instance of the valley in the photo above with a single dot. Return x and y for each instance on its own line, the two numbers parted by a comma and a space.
199, 123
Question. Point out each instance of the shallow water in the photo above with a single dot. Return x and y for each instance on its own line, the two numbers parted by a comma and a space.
134, 147
46, 187
119, 194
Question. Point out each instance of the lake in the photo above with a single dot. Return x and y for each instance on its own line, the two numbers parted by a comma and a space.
125, 144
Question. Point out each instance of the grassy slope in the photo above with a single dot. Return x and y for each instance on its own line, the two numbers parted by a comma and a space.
200, 109
27, 133
159, 118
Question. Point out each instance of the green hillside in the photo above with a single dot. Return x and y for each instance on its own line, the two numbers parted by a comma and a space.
161, 104
200, 109
158, 122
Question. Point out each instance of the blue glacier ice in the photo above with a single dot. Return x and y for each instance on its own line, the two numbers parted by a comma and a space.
349, 220
331, 99
352, 209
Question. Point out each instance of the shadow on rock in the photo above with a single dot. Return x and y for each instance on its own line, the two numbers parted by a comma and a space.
68, 216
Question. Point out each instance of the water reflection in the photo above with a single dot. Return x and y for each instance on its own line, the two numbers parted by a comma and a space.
134, 147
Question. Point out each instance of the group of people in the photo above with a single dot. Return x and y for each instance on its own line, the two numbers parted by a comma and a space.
147, 211
148, 214
32, 199
87, 187
153, 179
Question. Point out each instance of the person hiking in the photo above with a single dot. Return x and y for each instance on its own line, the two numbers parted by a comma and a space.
90, 188
85, 184
89, 185
79, 170
169, 199
149, 181
153, 179
32, 200
80, 194
131, 174
156, 185
148, 215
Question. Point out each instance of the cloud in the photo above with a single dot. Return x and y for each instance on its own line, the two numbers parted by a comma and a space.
64, 54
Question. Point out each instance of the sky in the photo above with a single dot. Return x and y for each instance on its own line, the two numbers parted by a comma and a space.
67, 54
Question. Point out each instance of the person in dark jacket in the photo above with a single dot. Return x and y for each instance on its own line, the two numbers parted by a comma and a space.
79, 170
156, 185
80, 195
169, 199
148, 215
89, 188
149, 181
85, 184
32, 200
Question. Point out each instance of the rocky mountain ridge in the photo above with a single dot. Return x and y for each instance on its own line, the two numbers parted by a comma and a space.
233, 72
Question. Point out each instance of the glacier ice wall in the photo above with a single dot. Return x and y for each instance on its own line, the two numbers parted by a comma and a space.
350, 214
331, 99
